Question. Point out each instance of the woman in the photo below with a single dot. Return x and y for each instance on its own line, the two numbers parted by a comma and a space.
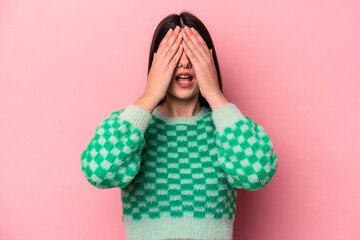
180, 152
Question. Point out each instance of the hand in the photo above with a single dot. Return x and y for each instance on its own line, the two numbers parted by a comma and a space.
164, 62
201, 58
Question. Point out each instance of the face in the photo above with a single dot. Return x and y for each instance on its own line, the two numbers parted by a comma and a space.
183, 91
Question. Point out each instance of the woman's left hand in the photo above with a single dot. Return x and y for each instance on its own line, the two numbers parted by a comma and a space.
201, 58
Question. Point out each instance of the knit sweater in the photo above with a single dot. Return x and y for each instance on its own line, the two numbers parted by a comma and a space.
179, 176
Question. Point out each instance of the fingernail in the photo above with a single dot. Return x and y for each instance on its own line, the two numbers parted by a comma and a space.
177, 28
179, 36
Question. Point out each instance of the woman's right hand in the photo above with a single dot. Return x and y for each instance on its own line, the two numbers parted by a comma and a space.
163, 64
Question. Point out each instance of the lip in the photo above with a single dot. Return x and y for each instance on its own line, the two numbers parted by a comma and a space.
184, 73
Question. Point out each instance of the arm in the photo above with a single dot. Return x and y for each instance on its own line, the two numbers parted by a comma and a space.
113, 156
246, 152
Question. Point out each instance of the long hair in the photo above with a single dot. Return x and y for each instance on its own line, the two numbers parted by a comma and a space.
184, 19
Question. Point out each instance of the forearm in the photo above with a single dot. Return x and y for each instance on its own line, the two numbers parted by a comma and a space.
147, 102
217, 100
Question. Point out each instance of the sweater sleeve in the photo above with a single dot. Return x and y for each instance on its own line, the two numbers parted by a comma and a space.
246, 152
113, 156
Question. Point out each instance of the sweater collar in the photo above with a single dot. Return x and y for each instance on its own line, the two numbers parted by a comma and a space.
184, 120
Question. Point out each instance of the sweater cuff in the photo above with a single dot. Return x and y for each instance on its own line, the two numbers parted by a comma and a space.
226, 116
137, 116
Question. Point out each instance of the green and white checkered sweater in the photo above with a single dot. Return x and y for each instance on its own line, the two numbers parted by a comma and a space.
178, 176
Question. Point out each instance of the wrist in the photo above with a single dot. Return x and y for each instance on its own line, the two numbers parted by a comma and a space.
146, 102
217, 100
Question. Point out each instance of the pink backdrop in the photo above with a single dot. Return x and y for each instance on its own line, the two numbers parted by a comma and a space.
291, 66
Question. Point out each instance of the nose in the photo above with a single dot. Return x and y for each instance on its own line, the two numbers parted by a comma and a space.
184, 61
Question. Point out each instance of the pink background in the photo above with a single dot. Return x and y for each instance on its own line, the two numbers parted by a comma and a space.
293, 66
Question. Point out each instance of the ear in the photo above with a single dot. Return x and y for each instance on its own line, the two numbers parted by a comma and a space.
211, 52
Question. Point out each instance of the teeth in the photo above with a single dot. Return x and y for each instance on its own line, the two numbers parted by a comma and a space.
183, 79
183, 76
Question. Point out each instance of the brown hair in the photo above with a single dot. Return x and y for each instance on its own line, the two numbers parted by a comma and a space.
184, 19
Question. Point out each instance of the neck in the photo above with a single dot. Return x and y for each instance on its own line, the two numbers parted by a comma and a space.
173, 107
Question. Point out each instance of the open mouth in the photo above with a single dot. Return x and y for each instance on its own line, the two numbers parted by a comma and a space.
184, 79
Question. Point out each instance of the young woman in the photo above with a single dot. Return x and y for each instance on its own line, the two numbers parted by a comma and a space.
180, 152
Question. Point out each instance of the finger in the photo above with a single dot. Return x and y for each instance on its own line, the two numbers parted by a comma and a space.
199, 37
177, 56
197, 48
196, 42
172, 51
164, 40
170, 41
193, 59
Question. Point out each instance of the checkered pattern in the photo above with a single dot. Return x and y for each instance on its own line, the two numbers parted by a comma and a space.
180, 174
179, 169
113, 156
247, 155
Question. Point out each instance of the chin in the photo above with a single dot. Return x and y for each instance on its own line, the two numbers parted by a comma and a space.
181, 94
